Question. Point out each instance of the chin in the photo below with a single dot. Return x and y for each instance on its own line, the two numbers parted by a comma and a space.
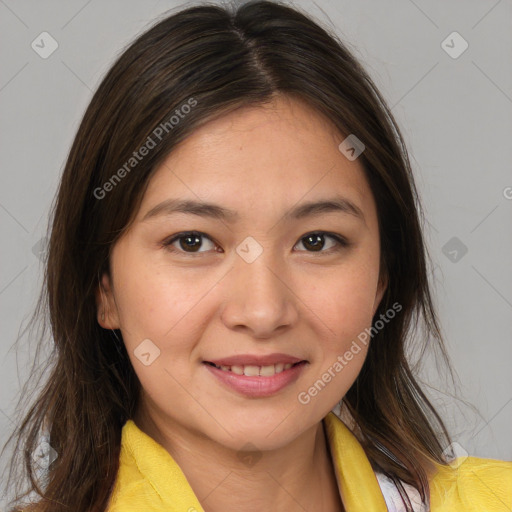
266, 430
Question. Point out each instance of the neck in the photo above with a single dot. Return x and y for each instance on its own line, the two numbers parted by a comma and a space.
299, 476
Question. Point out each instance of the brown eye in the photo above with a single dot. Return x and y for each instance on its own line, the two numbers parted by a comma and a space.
189, 242
315, 242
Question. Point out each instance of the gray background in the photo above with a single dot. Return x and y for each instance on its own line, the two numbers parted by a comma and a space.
455, 114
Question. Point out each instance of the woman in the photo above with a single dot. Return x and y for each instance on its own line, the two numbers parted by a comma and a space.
236, 265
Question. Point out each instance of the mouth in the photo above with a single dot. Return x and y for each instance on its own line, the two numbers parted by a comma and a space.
253, 380
256, 371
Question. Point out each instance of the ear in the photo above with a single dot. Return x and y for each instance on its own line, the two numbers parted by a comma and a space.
107, 313
381, 288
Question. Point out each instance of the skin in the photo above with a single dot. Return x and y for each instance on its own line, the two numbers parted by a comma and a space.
210, 303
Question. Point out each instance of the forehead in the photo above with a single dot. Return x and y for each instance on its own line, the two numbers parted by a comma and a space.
265, 158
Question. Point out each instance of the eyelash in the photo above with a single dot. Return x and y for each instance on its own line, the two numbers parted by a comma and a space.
167, 244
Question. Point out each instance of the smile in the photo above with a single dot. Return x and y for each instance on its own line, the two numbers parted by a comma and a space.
254, 381
256, 371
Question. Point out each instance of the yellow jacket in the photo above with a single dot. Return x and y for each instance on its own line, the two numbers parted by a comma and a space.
149, 480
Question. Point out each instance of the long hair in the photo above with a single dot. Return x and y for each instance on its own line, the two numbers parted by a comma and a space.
214, 59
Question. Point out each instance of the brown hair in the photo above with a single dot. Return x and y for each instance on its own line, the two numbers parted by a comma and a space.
221, 58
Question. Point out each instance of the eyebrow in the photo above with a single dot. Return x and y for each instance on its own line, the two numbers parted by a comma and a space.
336, 204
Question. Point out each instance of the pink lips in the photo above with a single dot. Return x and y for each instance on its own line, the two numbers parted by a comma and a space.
256, 386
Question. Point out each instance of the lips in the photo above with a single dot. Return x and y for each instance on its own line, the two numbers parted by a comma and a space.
257, 381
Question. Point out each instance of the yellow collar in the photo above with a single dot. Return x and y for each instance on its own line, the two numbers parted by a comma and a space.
149, 478
356, 479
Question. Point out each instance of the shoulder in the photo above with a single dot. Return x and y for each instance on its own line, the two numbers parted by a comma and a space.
472, 484
468, 484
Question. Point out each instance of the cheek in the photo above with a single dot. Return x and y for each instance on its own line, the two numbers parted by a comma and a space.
158, 304
344, 299
344, 303
153, 299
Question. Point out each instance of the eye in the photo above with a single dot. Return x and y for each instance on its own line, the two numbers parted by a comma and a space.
316, 241
188, 242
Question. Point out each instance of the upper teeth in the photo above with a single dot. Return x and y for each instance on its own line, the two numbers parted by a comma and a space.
253, 371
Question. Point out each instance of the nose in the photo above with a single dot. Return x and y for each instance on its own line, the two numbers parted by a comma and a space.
260, 300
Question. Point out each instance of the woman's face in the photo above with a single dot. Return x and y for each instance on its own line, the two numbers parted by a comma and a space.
259, 285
